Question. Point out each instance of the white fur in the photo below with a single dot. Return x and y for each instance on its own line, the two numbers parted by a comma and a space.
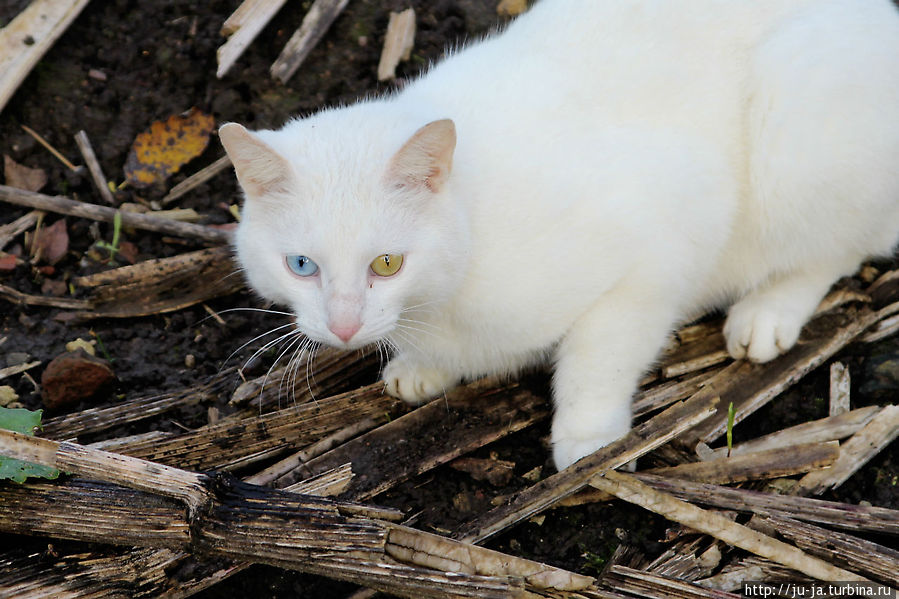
620, 166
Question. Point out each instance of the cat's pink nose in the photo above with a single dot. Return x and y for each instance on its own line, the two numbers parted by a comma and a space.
345, 331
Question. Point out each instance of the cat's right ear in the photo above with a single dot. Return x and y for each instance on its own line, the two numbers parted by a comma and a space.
426, 159
260, 169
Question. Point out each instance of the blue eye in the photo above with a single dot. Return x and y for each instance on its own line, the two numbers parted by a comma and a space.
301, 265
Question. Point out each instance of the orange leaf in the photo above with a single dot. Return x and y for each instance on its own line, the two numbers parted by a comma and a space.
167, 146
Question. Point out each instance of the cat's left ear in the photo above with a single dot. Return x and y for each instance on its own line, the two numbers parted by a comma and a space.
426, 159
260, 169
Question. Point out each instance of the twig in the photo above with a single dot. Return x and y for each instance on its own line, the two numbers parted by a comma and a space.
645, 584
315, 24
854, 454
16, 296
10, 231
630, 489
196, 180
93, 165
49, 148
147, 222
243, 26
14, 370
43, 21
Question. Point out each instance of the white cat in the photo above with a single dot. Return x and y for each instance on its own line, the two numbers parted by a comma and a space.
572, 188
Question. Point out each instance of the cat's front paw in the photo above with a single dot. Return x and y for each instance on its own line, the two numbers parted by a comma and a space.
760, 331
414, 383
572, 441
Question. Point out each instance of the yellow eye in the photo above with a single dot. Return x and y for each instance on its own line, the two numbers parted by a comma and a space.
386, 265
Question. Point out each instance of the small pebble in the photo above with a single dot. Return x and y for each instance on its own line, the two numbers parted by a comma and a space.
190, 360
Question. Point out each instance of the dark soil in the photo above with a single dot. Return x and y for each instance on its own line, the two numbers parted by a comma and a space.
124, 64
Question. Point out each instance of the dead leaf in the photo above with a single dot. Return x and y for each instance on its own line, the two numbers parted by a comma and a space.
23, 177
128, 251
51, 243
167, 146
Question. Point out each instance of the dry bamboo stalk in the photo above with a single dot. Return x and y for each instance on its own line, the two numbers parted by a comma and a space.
238, 520
692, 357
772, 463
299, 459
196, 179
315, 24
876, 561
665, 394
94, 420
93, 166
242, 27
412, 546
476, 414
839, 389
216, 446
630, 489
751, 386
645, 584
398, 43
640, 440
42, 22
12, 230
840, 515
817, 431
147, 222
854, 453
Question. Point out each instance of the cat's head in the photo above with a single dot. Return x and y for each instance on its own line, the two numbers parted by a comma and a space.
348, 224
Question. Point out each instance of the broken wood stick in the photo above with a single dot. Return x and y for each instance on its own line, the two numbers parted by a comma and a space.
630, 489
817, 431
93, 166
28, 37
641, 439
237, 520
398, 43
772, 463
10, 231
841, 515
147, 222
469, 417
860, 555
646, 584
315, 24
196, 180
839, 389
854, 453
241, 28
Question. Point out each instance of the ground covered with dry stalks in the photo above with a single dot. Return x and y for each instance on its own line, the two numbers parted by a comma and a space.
143, 348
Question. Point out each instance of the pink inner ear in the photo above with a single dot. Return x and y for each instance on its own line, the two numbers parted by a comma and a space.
426, 159
260, 169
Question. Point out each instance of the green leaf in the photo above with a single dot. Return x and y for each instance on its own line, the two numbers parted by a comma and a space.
24, 421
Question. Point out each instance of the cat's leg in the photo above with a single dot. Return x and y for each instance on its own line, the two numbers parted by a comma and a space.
414, 380
766, 322
598, 364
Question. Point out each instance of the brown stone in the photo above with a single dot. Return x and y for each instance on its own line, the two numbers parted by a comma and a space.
73, 376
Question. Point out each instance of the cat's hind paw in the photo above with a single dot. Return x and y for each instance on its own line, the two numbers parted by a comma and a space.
761, 332
414, 383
